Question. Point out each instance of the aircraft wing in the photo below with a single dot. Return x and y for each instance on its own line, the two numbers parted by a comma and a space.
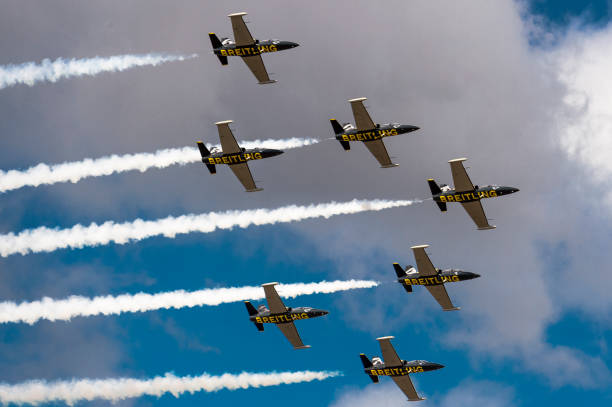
440, 294
363, 121
378, 150
388, 351
243, 173
289, 330
474, 209
460, 177
242, 36
424, 265
275, 304
405, 385
228, 142
256, 65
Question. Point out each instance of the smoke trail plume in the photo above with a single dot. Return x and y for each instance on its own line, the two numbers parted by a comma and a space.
44, 239
31, 73
64, 310
38, 391
42, 174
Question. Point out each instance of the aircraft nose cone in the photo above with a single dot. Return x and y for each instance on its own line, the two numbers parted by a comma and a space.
436, 366
515, 190
473, 275
276, 152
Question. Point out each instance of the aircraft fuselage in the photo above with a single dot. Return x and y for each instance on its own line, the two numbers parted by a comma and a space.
384, 130
241, 157
477, 194
443, 276
260, 47
292, 314
404, 369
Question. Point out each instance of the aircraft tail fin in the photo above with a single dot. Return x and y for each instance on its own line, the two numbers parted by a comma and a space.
435, 190
367, 364
252, 311
434, 187
205, 154
337, 127
216, 43
339, 130
250, 308
399, 270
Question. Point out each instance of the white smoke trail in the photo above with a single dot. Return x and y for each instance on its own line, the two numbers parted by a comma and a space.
44, 174
38, 391
44, 239
64, 310
31, 73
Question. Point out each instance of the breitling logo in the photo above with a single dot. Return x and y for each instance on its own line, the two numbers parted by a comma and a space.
248, 51
234, 158
399, 371
278, 319
431, 280
369, 135
469, 196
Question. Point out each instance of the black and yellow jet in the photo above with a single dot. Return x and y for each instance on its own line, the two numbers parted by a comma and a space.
396, 368
466, 194
282, 316
369, 133
432, 278
245, 46
234, 156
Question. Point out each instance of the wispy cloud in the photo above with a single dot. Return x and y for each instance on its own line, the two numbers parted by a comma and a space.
39, 391
75, 306
45, 174
45, 239
30, 73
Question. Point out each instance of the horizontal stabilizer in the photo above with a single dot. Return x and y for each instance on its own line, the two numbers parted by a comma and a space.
222, 59
407, 287
211, 168
442, 206
214, 40
374, 378
345, 145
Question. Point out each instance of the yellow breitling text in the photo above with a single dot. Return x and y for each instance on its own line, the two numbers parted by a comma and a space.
235, 158
397, 371
469, 196
369, 135
279, 319
248, 51
431, 280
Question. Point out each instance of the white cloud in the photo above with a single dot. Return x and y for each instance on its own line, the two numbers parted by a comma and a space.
467, 393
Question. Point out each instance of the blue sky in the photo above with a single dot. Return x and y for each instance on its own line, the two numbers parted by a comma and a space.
525, 305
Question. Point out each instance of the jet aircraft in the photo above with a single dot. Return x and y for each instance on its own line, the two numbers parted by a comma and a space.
280, 315
397, 368
467, 194
432, 278
245, 46
234, 156
369, 133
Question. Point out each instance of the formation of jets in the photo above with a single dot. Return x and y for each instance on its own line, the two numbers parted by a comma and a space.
371, 135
